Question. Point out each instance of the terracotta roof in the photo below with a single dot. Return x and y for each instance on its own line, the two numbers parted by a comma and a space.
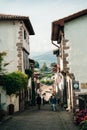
59, 24
70, 17
26, 20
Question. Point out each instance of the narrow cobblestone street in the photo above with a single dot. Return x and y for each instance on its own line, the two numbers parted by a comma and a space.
45, 119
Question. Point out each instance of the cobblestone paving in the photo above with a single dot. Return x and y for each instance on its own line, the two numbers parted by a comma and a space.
45, 119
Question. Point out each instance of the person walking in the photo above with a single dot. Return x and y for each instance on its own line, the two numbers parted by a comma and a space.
38, 101
53, 103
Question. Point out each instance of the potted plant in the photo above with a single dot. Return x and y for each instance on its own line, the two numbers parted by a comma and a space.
83, 125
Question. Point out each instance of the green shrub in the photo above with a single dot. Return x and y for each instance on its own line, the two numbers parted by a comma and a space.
2, 80
83, 125
47, 82
15, 81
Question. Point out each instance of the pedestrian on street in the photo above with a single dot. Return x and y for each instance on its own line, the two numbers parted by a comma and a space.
53, 102
38, 101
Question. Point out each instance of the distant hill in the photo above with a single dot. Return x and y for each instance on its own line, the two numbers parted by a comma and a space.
47, 57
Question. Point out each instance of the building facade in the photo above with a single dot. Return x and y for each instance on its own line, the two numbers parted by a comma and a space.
14, 40
70, 32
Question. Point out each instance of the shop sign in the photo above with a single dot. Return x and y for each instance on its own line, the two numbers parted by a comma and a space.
75, 85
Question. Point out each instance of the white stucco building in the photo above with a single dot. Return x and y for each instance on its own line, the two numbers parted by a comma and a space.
76, 32
14, 39
72, 31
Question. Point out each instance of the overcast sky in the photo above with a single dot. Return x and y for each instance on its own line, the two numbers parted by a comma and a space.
42, 13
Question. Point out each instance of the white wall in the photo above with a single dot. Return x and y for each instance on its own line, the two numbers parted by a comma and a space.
8, 40
13, 99
9, 37
76, 33
26, 41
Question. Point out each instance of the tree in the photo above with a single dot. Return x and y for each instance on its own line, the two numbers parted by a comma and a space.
46, 81
44, 67
36, 65
29, 72
3, 64
15, 82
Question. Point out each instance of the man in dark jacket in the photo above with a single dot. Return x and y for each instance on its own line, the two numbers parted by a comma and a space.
38, 101
53, 102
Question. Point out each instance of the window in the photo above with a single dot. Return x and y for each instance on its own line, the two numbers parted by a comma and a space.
25, 34
25, 60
